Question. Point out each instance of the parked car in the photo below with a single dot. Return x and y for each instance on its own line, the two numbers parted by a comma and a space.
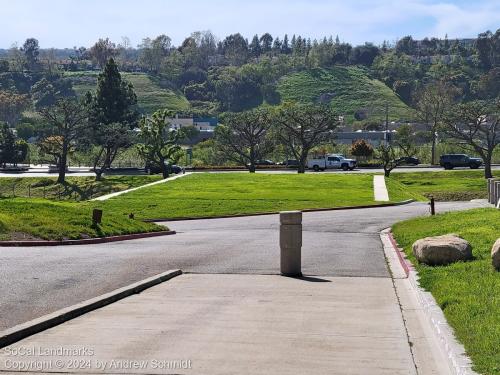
450, 161
408, 160
155, 169
265, 162
332, 161
290, 163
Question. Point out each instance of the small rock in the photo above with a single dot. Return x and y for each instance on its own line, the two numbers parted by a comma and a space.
442, 250
495, 255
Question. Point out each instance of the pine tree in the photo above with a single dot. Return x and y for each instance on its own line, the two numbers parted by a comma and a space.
254, 47
113, 115
285, 47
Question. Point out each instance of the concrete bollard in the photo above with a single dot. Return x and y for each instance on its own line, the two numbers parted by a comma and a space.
490, 190
497, 193
291, 243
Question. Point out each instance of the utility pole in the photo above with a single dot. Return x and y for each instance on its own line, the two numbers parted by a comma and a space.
387, 124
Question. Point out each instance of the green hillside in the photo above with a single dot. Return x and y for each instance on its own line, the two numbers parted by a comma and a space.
150, 95
348, 89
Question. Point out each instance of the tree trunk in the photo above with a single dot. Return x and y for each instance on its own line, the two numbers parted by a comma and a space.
251, 167
164, 169
302, 164
387, 172
487, 168
433, 151
62, 164
98, 174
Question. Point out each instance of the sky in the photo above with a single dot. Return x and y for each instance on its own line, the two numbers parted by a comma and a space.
68, 23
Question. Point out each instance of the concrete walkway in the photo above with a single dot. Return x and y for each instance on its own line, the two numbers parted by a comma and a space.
379, 189
112, 195
238, 324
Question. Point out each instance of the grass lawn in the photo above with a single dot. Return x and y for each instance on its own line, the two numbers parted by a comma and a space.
42, 219
76, 188
468, 293
445, 185
208, 195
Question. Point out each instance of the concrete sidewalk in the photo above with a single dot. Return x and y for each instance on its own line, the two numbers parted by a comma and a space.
235, 324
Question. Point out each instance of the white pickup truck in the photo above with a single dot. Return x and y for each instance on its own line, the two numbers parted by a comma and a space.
331, 161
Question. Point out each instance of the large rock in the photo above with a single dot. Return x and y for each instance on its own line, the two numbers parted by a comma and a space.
442, 250
495, 255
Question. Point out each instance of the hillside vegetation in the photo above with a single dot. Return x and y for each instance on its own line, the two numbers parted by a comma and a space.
348, 89
150, 96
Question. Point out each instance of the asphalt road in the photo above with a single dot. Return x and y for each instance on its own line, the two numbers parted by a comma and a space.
37, 281
40, 172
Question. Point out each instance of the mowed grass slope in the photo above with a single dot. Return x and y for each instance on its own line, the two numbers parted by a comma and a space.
150, 96
445, 185
208, 195
468, 293
75, 188
27, 219
351, 87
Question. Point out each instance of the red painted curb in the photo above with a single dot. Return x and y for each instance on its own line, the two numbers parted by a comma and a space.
277, 212
404, 263
87, 241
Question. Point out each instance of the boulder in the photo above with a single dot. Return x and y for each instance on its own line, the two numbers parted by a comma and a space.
495, 255
442, 250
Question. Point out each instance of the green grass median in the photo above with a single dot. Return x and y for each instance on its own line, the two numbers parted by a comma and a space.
218, 194
445, 185
468, 292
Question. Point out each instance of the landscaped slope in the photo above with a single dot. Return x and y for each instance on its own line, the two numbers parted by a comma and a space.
150, 95
348, 89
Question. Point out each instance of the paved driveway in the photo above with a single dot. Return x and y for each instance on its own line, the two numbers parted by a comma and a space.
36, 281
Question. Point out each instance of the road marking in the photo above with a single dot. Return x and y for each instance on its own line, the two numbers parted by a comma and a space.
379, 189
112, 195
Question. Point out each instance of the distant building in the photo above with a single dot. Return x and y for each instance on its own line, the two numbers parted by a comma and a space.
205, 126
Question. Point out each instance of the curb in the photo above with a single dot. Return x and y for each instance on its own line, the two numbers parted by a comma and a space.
32, 327
87, 241
458, 362
408, 201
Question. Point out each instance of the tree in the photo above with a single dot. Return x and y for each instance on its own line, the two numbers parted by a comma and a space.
102, 51
487, 46
12, 106
160, 143
266, 42
235, 49
432, 103
45, 93
31, 51
66, 122
361, 148
388, 155
405, 140
12, 150
476, 126
244, 137
254, 47
112, 116
154, 51
301, 127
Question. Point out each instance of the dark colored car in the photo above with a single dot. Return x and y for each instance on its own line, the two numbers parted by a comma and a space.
408, 160
450, 161
290, 163
155, 169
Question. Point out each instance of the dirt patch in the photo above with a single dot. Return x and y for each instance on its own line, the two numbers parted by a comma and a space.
21, 236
